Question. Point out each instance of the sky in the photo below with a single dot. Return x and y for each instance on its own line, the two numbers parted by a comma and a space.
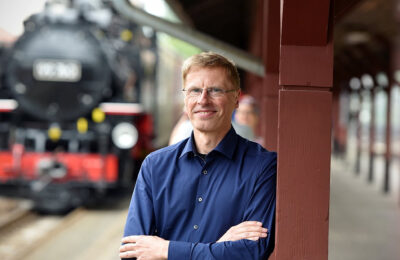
14, 12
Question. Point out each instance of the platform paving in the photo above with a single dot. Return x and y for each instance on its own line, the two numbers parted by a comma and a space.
364, 223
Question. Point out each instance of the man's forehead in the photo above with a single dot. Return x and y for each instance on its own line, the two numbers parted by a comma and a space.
197, 68
217, 74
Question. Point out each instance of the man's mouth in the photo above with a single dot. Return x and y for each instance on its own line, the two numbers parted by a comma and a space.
205, 113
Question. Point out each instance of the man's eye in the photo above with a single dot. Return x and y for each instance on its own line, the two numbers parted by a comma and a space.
195, 90
215, 90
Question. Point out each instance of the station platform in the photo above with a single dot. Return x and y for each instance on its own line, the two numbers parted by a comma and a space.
364, 222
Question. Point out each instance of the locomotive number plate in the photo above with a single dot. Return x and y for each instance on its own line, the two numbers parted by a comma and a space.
57, 70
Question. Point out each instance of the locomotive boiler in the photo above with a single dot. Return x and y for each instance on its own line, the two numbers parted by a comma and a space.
72, 124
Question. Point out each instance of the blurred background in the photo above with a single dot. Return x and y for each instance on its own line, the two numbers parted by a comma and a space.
86, 93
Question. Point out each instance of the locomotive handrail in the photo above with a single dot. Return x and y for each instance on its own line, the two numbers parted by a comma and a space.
242, 58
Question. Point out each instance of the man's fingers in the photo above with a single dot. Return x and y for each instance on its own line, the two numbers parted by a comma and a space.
130, 239
253, 238
248, 235
128, 254
249, 223
127, 247
251, 229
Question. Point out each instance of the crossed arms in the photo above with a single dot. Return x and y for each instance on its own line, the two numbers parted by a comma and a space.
156, 248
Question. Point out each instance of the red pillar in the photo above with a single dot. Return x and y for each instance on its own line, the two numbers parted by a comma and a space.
271, 47
265, 42
304, 130
253, 83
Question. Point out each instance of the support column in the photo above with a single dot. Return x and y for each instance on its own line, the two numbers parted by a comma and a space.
304, 130
271, 46
357, 167
371, 137
265, 43
340, 114
388, 153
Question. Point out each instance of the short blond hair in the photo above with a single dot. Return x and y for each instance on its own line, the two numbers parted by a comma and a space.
212, 60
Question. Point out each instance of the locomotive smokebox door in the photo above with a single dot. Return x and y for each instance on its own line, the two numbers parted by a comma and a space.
58, 72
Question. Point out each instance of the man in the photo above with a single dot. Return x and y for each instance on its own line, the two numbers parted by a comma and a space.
212, 195
247, 114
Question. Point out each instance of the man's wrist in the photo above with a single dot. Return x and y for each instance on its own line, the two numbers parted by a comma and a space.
164, 250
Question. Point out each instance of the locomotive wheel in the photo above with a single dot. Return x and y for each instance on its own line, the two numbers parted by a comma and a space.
55, 200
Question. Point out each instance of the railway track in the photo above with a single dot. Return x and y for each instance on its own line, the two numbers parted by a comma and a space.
12, 210
82, 234
21, 229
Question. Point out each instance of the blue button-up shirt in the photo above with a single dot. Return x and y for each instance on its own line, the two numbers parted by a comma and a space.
193, 201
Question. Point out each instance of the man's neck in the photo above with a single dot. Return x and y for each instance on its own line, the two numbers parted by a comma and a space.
206, 141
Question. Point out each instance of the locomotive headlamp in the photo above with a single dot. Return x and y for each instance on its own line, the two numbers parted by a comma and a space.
124, 135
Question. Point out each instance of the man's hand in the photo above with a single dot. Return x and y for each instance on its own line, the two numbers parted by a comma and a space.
251, 230
144, 247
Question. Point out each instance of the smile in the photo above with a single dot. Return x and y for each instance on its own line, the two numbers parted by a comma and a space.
205, 114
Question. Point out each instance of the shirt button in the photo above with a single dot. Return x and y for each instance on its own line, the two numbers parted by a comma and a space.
200, 199
196, 227
205, 172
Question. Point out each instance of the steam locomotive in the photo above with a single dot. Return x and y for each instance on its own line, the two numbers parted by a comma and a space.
72, 124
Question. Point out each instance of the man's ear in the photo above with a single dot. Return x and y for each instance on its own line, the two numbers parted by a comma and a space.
237, 98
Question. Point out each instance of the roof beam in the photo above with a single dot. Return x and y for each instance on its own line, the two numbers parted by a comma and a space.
243, 59
342, 7
180, 12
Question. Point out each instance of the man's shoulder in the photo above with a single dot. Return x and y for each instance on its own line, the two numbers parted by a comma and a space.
169, 151
257, 156
254, 149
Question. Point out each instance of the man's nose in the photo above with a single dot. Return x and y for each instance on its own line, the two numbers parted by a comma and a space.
203, 97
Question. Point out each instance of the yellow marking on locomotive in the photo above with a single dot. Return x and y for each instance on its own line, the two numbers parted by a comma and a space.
54, 133
98, 115
82, 125
126, 35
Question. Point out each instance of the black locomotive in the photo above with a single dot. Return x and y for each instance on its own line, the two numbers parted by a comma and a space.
72, 124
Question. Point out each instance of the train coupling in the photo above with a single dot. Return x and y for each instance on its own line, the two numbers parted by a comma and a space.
48, 169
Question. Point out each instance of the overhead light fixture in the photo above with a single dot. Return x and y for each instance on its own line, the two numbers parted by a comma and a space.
355, 83
357, 37
367, 81
382, 79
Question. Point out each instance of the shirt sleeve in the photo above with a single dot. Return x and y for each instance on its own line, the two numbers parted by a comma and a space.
140, 219
260, 207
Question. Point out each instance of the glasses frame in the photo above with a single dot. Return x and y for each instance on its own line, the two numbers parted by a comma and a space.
223, 92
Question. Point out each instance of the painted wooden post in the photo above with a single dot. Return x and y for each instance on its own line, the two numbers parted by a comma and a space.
304, 130
265, 42
271, 46
388, 153
340, 110
372, 126
357, 167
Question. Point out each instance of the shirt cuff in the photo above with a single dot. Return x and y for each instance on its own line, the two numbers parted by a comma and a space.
178, 250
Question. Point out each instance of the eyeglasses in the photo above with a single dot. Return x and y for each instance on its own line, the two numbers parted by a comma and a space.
212, 92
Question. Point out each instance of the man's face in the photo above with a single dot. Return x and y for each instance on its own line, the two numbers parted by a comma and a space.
210, 114
245, 115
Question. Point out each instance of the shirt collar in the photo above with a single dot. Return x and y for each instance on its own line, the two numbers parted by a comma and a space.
226, 146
